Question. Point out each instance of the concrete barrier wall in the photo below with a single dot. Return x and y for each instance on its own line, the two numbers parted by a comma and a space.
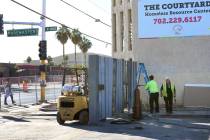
197, 95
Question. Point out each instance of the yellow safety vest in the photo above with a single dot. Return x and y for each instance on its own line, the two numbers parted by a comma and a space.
152, 86
164, 91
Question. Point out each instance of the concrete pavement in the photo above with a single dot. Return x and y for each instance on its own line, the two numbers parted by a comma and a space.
29, 123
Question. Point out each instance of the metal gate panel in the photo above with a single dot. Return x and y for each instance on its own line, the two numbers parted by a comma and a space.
101, 88
93, 80
107, 79
108, 85
119, 87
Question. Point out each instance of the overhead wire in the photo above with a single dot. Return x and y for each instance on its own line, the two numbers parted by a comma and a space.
96, 19
99, 7
44, 16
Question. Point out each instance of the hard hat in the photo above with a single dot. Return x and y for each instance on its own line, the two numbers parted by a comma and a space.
166, 78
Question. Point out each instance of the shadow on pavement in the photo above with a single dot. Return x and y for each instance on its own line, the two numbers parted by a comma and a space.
43, 115
146, 128
15, 119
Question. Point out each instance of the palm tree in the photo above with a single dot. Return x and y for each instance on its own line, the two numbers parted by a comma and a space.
62, 35
50, 61
85, 45
66, 59
76, 39
28, 59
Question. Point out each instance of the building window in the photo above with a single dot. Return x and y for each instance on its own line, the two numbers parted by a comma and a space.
113, 3
114, 33
130, 35
122, 31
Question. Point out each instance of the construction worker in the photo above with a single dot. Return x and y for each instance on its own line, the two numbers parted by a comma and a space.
168, 91
8, 92
154, 94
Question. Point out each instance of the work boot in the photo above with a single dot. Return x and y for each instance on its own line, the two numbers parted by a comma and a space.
13, 102
5, 101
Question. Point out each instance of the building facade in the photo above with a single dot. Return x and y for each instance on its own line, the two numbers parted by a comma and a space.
184, 59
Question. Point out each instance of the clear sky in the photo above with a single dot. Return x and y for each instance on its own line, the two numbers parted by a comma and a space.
17, 49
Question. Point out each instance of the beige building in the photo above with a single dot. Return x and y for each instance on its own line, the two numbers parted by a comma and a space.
186, 60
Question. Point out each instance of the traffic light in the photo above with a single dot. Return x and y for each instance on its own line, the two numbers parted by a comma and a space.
1, 25
43, 50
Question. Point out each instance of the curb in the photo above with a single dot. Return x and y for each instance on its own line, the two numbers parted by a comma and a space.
48, 107
183, 124
180, 115
184, 116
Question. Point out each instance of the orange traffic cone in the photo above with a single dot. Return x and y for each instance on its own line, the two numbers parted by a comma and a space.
25, 86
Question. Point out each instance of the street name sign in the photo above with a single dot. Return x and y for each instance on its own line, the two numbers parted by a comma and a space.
23, 32
53, 28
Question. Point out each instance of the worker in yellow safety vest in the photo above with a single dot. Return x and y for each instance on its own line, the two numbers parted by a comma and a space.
153, 89
168, 92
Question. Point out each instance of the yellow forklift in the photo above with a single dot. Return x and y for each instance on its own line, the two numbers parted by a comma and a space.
73, 104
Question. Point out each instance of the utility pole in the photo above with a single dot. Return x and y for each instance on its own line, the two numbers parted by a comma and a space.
43, 60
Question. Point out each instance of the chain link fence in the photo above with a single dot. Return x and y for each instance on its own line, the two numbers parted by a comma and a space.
26, 89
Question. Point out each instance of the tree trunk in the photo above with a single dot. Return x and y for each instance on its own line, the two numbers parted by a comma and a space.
64, 67
84, 66
85, 57
75, 58
75, 55
85, 70
63, 53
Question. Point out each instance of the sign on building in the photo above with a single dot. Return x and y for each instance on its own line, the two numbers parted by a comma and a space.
172, 18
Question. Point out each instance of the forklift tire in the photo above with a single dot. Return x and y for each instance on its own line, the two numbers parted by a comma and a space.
84, 117
59, 119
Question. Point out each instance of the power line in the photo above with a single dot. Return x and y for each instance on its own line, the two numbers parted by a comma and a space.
99, 7
43, 16
96, 20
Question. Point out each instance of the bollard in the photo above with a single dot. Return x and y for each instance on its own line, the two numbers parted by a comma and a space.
137, 112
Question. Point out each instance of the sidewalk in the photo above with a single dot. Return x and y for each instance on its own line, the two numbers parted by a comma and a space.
188, 112
29, 123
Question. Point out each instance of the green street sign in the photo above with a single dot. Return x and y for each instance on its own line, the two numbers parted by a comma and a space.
53, 28
23, 32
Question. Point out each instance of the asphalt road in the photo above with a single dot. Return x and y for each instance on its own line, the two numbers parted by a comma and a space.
32, 124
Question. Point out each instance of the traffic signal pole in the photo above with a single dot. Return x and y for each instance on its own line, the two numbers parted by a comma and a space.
42, 24
1, 25
43, 62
